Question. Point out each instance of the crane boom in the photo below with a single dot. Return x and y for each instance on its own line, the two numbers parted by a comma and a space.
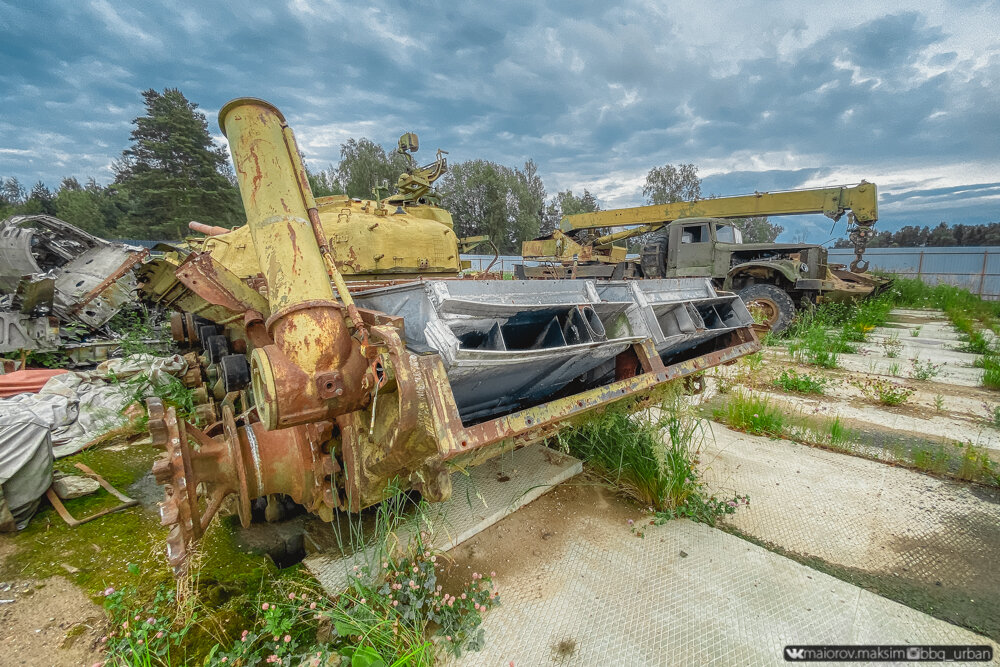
860, 199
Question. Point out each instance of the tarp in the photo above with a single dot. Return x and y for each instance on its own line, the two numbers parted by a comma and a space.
78, 407
28, 380
69, 411
25, 471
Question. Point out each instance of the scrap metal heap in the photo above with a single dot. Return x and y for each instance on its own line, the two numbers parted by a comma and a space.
328, 392
53, 273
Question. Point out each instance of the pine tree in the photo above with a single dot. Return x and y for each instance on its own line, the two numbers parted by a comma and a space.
174, 172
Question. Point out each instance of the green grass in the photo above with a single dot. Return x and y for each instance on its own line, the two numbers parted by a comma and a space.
651, 457
801, 383
746, 411
839, 434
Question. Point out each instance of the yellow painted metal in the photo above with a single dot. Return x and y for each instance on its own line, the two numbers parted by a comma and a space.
860, 199
419, 241
277, 212
314, 369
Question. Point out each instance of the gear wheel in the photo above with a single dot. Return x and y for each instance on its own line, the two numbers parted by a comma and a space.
216, 465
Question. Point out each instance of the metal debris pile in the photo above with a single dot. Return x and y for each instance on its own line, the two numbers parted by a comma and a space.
60, 285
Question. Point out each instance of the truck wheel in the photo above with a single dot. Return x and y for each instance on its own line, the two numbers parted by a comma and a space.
772, 302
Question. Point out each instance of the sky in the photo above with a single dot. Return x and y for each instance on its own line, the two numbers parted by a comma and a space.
761, 96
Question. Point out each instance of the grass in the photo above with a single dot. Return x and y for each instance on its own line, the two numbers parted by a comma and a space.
818, 335
839, 434
753, 414
882, 390
750, 412
651, 457
801, 383
967, 312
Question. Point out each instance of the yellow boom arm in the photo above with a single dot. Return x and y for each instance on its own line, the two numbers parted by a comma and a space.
832, 202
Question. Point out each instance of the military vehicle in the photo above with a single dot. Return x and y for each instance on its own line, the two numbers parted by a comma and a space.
337, 351
698, 238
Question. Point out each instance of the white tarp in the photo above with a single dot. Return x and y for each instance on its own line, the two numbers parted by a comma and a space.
78, 407
25, 471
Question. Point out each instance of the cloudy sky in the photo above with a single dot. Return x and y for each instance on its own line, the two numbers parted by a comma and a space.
761, 96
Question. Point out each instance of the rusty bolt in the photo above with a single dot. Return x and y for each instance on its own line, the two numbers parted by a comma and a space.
330, 385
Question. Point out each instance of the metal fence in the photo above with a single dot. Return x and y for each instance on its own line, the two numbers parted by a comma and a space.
975, 268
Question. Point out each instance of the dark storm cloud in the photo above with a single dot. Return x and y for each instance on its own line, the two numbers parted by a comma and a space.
596, 95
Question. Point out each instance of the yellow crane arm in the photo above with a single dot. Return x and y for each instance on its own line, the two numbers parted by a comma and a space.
860, 199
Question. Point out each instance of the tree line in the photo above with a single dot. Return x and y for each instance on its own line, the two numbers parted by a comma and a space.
173, 172
944, 235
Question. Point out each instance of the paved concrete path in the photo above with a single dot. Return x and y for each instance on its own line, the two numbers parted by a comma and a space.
922, 536
687, 594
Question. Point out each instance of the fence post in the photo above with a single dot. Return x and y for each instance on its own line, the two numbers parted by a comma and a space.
920, 267
982, 276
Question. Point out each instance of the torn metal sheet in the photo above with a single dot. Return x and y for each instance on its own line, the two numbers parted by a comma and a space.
55, 269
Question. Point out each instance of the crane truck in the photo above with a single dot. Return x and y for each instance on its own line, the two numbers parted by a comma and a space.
699, 239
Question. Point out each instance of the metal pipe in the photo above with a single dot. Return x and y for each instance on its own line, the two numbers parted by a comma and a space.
207, 230
315, 369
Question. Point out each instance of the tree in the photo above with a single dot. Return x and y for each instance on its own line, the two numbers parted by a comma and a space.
80, 207
668, 184
365, 165
570, 204
488, 198
174, 172
758, 229
941, 236
324, 183
12, 192
39, 200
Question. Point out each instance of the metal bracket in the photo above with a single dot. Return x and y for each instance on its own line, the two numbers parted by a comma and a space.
68, 518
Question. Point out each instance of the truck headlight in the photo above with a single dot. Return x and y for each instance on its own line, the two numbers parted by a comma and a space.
803, 267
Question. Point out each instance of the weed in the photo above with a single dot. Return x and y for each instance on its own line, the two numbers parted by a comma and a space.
839, 434
815, 347
915, 331
990, 363
140, 331
883, 391
939, 402
924, 370
385, 616
930, 459
894, 369
630, 452
892, 346
749, 412
143, 632
802, 383
167, 387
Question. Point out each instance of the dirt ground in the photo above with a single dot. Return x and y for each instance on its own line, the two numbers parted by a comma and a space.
49, 623
535, 533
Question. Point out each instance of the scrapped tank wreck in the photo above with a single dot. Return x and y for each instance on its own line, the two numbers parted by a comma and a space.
339, 350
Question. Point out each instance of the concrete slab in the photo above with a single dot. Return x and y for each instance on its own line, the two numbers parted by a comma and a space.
479, 498
951, 425
687, 594
936, 538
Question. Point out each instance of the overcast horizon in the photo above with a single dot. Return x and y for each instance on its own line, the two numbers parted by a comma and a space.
769, 96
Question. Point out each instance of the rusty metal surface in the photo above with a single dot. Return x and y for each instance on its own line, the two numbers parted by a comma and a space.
341, 400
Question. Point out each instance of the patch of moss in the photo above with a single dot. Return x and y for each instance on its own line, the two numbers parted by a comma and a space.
227, 581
